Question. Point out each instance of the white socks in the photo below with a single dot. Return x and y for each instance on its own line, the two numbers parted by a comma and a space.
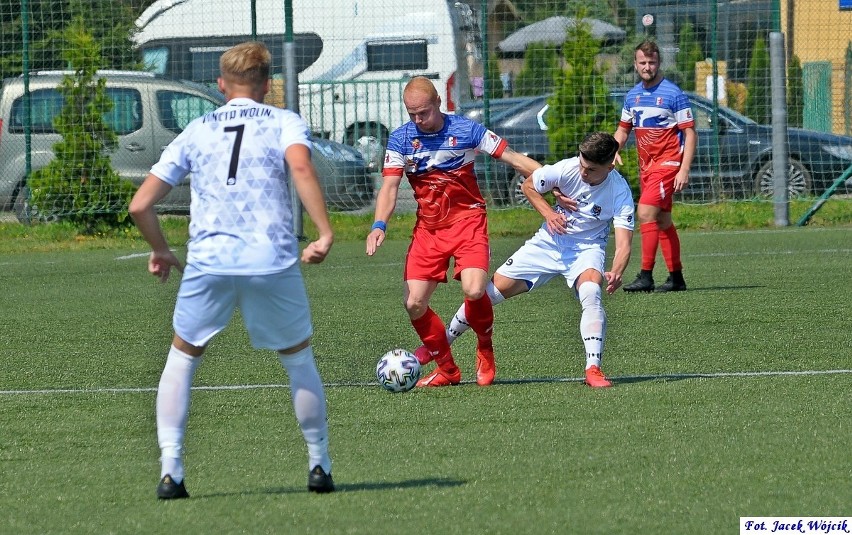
592, 322
458, 325
173, 410
308, 398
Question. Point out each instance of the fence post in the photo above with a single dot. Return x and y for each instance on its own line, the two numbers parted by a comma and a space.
780, 164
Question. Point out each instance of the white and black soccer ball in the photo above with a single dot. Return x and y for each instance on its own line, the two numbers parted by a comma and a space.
398, 370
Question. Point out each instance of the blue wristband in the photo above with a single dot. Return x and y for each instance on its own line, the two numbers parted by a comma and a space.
381, 225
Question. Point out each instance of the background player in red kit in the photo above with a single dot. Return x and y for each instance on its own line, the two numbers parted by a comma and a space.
659, 114
436, 152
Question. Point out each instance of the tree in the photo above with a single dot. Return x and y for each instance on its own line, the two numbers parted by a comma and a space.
689, 53
541, 63
759, 98
79, 185
581, 103
795, 93
847, 92
111, 22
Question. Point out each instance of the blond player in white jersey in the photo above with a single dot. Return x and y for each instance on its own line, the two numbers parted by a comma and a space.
242, 252
572, 242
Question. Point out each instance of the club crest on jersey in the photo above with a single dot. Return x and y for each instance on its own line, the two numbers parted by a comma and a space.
596, 210
659, 101
636, 99
415, 144
452, 141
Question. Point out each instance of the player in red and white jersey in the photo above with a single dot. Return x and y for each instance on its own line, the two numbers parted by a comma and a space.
659, 114
436, 153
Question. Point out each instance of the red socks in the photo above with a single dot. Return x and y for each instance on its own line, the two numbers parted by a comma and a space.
431, 331
480, 316
650, 238
670, 246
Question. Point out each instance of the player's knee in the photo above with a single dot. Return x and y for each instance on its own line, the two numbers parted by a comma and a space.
589, 294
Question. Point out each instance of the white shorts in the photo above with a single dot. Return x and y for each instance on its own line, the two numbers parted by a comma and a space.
540, 259
274, 307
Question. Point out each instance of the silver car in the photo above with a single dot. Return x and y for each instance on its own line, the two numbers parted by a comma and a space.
148, 112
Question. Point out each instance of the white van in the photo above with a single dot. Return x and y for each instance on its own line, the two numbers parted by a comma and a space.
352, 57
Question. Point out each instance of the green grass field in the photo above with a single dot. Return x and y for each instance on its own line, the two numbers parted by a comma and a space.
732, 399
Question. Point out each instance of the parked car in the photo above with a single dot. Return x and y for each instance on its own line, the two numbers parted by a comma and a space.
148, 112
816, 159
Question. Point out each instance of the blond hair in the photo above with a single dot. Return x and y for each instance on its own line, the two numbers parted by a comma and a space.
246, 64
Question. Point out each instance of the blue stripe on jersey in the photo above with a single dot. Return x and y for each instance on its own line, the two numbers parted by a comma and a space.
437, 151
655, 107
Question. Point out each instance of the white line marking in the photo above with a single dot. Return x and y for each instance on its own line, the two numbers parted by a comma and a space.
617, 379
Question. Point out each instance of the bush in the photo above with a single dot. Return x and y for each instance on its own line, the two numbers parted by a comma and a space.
79, 185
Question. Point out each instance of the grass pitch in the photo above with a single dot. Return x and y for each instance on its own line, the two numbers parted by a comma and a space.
731, 399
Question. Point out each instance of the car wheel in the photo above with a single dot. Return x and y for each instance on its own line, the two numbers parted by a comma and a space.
516, 192
798, 180
21, 207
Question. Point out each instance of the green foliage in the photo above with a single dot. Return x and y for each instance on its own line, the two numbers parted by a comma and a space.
110, 22
847, 90
795, 93
494, 86
759, 99
79, 184
614, 11
541, 63
689, 53
580, 104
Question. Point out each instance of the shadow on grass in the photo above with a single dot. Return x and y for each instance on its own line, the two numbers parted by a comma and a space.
345, 487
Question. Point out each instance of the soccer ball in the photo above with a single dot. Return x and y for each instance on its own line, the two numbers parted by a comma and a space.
398, 370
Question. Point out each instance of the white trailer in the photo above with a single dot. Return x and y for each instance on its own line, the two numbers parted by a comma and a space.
352, 56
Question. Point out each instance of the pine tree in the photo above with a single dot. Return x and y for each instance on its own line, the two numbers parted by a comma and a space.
541, 63
689, 53
759, 98
795, 93
580, 104
79, 185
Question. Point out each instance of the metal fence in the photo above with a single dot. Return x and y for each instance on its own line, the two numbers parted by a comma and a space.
342, 64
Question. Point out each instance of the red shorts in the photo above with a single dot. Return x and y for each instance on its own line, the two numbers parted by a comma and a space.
430, 251
657, 188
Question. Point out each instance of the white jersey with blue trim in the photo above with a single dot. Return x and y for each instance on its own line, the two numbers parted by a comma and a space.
597, 206
241, 219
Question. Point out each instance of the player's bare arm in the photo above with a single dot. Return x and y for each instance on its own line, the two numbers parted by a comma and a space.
620, 259
522, 163
307, 185
385, 205
620, 135
690, 141
142, 211
556, 222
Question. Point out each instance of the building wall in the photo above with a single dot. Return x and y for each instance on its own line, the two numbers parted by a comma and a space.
818, 30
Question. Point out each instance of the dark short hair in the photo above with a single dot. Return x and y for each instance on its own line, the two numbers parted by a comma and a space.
599, 147
649, 48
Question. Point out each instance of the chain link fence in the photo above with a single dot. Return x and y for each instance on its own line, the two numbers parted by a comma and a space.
542, 73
